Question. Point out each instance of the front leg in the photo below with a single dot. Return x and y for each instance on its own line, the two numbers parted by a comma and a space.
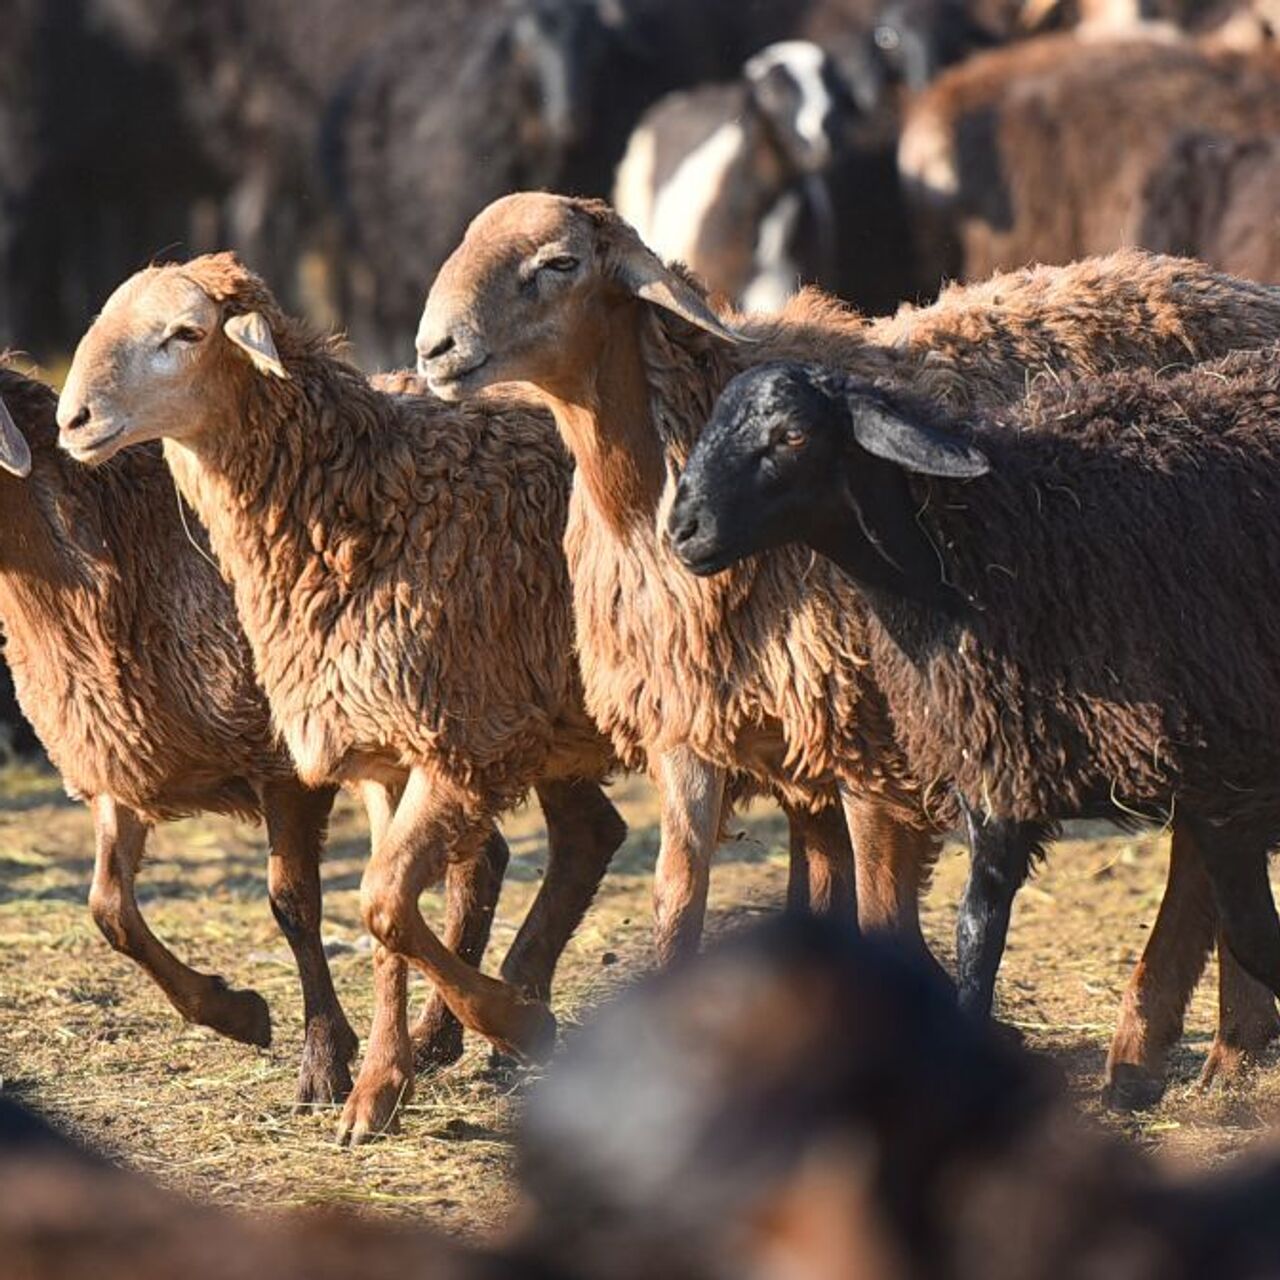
1000, 855
690, 795
297, 819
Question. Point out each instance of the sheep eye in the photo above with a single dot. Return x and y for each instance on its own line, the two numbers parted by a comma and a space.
184, 333
563, 264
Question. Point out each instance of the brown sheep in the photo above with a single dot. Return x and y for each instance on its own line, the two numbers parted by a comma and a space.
1011, 566
1040, 152
764, 669
396, 566
1218, 199
130, 664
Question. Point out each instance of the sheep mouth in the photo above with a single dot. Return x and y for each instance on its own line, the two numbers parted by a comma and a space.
703, 562
452, 383
97, 447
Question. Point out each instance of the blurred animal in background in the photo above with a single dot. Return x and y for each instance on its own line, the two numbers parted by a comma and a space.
789, 176
439, 119
1218, 199
873, 1132
777, 179
1043, 151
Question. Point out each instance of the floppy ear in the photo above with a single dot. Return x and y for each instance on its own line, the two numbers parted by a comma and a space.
644, 275
15, 453
252, 334
913, 445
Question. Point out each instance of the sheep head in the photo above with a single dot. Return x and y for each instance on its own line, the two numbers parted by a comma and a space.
799, 453
525, 297
167, 348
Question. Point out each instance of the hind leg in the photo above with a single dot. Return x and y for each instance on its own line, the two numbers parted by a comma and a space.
584, 831
821, 873
432, 823
1160, 987
1235, 858
471, 890
120, 837
1000, 857
297, 819
1247, 1020
892, 862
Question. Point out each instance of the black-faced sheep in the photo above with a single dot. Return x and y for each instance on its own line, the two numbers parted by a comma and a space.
1010, 571
397, 568
875, 1132
1216, 198
1040, 152
763, 670
130, 662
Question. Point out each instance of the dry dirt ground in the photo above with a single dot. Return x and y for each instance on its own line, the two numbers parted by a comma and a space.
86, 1039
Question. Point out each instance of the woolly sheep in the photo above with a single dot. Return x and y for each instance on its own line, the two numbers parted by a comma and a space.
764, 670
130, 663
396, 567
1010, 570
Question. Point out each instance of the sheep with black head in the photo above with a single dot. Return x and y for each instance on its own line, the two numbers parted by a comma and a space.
1011, 566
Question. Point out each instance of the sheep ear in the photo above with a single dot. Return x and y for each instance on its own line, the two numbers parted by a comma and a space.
252, 334
644, 275
15, 453
912, 445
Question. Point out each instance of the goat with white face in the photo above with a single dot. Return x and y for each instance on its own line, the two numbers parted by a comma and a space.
745, 183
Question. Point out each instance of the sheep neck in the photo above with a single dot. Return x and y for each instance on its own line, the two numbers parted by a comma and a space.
607, 422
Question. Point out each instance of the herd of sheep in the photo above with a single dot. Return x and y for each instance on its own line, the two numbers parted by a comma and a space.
994, 561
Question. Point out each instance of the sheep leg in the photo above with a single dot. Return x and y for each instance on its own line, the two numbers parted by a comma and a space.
1236, 860
431, 820
892, 862
471, 892
385, 1082
1247, 1020
1000, 856
690, 796
1160, 987
120, 837
821, 875
584, 831
296, 822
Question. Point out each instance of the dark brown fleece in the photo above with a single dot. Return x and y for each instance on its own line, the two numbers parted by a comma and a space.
1121, 557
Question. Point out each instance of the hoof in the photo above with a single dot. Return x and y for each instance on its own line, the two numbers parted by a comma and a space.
437, 1039
1132, 1088
533, 1036
370, 1111
324, 1074
1226, 1065
239, 1015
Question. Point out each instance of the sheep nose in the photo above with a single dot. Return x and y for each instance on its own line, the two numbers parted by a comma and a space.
79, 419
683, 527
